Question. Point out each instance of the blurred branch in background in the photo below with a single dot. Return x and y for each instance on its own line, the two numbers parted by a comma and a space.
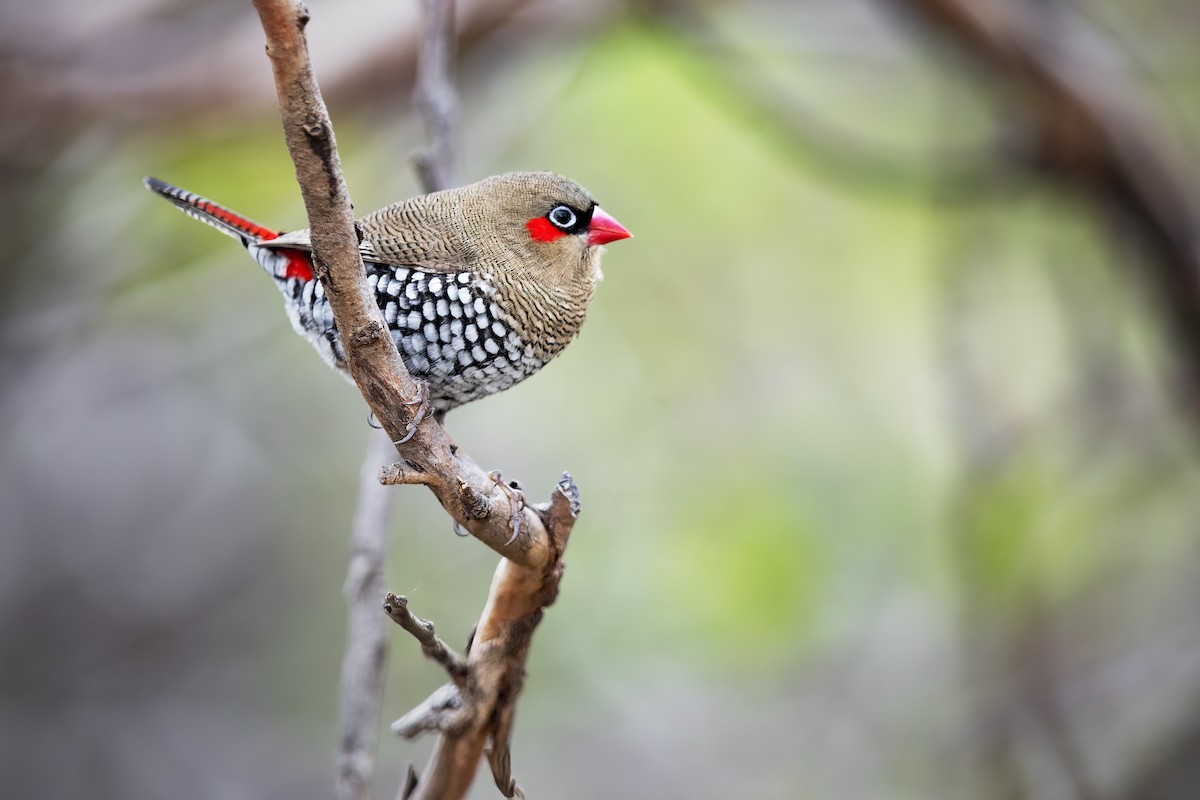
1082, 131
1007, 647
1086, 130
1076, 126
433, 94
724, 71
364, 662
126, 62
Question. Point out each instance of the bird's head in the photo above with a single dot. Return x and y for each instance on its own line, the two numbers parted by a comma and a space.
551, 223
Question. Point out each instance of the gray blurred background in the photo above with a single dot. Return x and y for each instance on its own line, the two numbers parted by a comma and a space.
889, 489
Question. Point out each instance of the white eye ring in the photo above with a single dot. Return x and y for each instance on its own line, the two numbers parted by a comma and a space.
562, 217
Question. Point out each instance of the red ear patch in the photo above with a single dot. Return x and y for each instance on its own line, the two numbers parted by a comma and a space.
543, 230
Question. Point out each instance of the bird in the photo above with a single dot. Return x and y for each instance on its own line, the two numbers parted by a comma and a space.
480, 286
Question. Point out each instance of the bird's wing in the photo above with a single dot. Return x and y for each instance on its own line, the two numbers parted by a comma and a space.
302, 240
415, 232
394, 237
292, 240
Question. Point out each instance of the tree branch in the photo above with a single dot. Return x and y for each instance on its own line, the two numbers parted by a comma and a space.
722, 72
530, 538
482, 710
423, 631
1089, 137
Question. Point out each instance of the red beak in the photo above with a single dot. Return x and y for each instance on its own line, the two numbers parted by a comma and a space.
604, 229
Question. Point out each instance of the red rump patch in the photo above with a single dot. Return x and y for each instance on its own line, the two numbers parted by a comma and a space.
239, 222
543, 230
299, 264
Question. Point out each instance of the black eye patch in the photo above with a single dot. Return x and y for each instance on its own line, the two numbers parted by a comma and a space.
569, 219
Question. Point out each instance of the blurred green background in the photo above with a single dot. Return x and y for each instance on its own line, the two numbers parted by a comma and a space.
885, 491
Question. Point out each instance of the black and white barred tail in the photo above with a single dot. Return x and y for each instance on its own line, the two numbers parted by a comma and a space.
245, 230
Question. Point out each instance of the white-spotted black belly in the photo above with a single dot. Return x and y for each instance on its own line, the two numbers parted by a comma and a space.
449, 329
452, 333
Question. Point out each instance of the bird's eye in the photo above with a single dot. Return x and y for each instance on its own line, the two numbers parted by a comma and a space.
562, 217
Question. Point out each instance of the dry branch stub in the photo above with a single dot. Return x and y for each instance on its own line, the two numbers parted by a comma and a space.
475, 717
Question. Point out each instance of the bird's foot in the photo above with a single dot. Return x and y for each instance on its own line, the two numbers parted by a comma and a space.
516, 498
424, 409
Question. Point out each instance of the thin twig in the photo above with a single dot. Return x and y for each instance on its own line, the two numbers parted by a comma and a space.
364, 664
400, 475
422, 630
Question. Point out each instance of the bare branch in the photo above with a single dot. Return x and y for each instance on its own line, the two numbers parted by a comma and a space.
481, 704
483, 711
441, 712
422, 630
371, 355
531, 539
722, 71
401, 475
1089, 137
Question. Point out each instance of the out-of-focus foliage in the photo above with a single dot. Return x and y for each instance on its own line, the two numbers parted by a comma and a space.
884, 494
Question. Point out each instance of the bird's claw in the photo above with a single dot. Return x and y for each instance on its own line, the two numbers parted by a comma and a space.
516, 499
424, 409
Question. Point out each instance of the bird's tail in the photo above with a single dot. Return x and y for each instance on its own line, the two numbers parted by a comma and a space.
244, 230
